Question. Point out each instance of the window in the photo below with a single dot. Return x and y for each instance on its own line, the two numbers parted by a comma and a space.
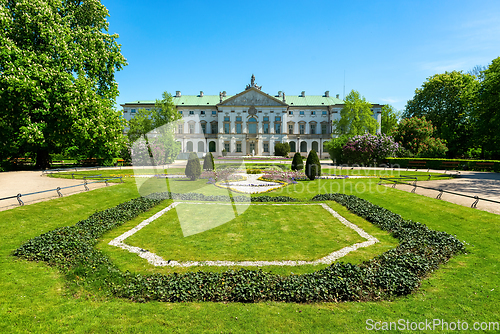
179, 128
302, 112
214, 113
213, 127
292, 146
265, 127
290, 129
189, 147
201, 146
277, 119
238, 147
277, 127
266, 119
313, 112
191, 127
202, 112
302, 128
315, 146
238, 118
227, 147
252, 125
238, 127
204, 127
191, 112
266, 147
226, 128
211, 146
132, 111
303, 146
226, 119
323, 129
312, 129
290, 112
323, 112
180, 112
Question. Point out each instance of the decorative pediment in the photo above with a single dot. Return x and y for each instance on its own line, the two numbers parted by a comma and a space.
253, 97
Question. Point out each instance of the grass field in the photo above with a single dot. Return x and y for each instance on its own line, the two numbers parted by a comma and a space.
37, 298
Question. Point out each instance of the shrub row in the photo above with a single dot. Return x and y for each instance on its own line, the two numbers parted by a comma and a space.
463, 164
394, 273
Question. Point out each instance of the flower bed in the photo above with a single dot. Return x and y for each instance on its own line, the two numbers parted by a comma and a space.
394, 273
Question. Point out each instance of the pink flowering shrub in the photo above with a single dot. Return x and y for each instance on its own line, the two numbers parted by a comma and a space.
289, 176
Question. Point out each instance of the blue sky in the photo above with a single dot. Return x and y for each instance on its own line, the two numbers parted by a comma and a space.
386, 49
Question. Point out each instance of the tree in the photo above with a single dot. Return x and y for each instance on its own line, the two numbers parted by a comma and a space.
297, 162
367, 149
416, 135
334, 148
281, 149
487, 115
313, 166
158, 123
389, 118
193, 167
57, 84
208, 162
356, 117
448, 101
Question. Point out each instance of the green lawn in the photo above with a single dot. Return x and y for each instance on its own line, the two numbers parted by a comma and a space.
37, 298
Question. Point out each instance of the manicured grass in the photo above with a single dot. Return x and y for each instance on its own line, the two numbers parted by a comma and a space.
37, 298
206, 232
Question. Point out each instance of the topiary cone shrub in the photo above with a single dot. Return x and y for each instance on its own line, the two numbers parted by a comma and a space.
313, 166
208, 162
297, 162
193, 167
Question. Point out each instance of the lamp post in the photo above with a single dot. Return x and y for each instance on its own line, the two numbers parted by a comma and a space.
298, 145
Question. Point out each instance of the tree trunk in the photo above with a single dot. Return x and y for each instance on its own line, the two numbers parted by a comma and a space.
42, 159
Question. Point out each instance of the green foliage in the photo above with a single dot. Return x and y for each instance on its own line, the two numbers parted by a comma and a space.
394, 273
462, 164
389, 119
193, 167
367, 149
313, 165
297, 162
335, 146
281, 149
208, 162
57, 65
448, 101
224, 152
356, 117
416, 136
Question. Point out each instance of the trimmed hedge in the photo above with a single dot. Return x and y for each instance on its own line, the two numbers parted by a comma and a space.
394, 273
463, 164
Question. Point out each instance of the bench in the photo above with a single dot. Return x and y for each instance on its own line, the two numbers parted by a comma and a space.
415, 164
22, 161
90, 162
119, 162
449, 164
485, 165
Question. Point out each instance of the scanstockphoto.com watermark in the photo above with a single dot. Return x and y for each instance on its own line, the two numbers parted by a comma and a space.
431, 325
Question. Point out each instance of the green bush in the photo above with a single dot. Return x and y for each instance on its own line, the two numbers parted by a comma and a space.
224, 152
193, 167
208, 162
313, 166
281, 149
297, 162
334, 148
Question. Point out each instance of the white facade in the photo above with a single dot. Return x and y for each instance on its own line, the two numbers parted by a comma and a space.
251, 122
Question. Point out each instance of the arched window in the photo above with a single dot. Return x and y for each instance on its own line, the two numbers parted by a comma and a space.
315, 146
303, 146
201, 146
211, 146
189, 146
292, 146
252, 125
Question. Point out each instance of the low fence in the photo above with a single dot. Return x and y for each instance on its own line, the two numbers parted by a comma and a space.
413, 179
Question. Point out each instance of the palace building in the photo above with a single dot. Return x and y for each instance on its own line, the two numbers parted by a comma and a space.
251, 122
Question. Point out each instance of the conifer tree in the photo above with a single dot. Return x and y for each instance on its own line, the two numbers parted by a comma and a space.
297, 162
193, 167
208, 162
313, 166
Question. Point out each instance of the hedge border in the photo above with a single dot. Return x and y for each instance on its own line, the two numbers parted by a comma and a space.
435, 163
396, 272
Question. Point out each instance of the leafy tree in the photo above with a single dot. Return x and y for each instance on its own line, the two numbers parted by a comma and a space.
356, 117
313, 165
367, 149
448, 101
297, 162
281, 149
335, 146
416, 136
208, 162
389, 118
193, 167
57, 84
487, 115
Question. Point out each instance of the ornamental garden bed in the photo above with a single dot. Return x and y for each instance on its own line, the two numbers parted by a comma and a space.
396, 272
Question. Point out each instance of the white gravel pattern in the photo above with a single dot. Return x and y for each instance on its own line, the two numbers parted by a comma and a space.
159, 261
246, 187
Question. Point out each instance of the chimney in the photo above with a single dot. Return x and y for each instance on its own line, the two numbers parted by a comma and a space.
201, 93
283, 96
327, 93
338, 96
279, 93
177, 93
303, 94
224, 93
